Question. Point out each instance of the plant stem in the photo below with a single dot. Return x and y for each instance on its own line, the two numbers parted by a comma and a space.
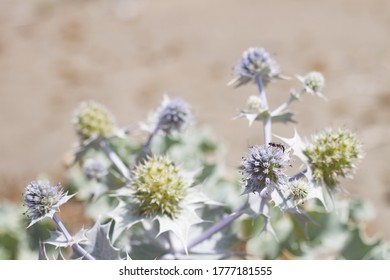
264, 101
115, 159
146, 147
76, 247
213, 229
293, 97
283, 107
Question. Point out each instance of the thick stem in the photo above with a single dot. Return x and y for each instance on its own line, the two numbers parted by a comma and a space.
267, 122
76, 247
115, 159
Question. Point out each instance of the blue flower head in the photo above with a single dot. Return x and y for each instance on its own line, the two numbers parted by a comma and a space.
173, 115
255, 63
263, 167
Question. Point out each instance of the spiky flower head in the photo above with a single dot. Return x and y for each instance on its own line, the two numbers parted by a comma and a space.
43, 200
313, 82
95, 168
159, 187
92, 119
299, 190
255, 63
263, 167
333, 154
173, 115
254, 104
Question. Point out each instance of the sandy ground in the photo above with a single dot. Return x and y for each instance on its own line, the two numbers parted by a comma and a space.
126, 54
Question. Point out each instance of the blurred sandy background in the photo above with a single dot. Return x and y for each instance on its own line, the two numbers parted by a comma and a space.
127, 53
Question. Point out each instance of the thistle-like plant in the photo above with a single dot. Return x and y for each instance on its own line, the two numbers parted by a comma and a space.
43, 200
170, 197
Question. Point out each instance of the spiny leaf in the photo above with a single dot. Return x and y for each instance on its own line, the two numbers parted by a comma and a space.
99, 245
124, 218
286, 117
58, 239
296, 144
187, 217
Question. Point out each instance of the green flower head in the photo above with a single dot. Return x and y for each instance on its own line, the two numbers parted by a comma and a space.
313, 83
333, 154
159, 187
254, 104
299, 190
92, 120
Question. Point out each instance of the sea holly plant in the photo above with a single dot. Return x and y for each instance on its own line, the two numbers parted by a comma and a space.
163, 192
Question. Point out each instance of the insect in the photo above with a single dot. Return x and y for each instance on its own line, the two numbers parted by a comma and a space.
277, 146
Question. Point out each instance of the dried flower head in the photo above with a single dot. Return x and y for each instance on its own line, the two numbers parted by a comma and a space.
159, 187
173, 115
43, 200
264, 166
332, 154
313, 83
255, 63
92, 120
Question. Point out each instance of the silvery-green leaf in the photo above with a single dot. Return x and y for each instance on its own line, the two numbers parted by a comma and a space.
296, 144
42, 252
85, 146
124, 218
145, 247
316, 191
379, 252
60, 256
180, 226
357, 246
99, 208
57, 239
260, 206
263, 246
283, 200
257, 205
99, 244
251, 117
195, 196
286, 117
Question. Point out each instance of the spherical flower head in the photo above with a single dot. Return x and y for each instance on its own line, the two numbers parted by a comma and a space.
255, 63
313, 82
173, 115
299, 190
254, 104
264, 166
43, 200
159, 187
93, 120
332, 154
95, 169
